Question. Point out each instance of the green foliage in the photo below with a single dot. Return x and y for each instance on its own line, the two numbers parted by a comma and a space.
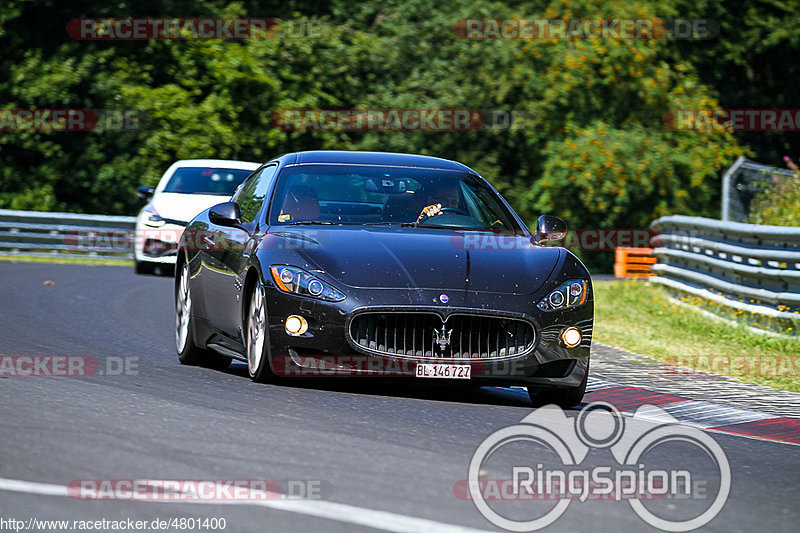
752, 63
32, 199
779, 205
610, 178
592, 147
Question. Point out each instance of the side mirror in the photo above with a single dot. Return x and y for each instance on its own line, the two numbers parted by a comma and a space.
550, 229
145, 192
225, 214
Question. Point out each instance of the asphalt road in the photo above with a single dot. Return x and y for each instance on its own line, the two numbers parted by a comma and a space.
384, 454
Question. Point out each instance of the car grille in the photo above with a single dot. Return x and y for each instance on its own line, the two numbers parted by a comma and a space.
423, 335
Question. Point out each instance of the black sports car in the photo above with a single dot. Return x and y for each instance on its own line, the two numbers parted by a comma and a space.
379, 264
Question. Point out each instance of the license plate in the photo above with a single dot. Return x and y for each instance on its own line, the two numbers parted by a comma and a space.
428, 370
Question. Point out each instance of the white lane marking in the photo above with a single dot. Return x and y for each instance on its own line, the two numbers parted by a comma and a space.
754, 437
707, 415
32, 487
593, 384
341, 512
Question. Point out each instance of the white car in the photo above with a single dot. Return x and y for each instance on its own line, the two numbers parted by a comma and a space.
186, 188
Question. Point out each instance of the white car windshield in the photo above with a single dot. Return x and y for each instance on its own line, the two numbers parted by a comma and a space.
206, 180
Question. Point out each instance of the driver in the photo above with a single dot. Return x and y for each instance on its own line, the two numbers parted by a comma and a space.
444, 196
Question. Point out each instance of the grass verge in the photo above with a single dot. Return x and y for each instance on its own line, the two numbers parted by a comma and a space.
56, 259
638, 316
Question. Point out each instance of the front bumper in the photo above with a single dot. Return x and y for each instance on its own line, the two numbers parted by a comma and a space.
157, 245
326, 348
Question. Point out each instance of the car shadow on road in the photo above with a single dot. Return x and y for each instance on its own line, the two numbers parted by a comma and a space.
434, 390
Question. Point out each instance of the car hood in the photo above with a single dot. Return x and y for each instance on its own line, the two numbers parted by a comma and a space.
184, 207
417, 258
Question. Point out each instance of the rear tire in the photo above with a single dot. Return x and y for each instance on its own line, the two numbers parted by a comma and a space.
258, 366
188, 352
564, 398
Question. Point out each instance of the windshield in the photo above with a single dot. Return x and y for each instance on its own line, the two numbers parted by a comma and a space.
206, 180
372, 195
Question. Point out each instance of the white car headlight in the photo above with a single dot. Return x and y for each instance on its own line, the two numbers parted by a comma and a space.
153, 219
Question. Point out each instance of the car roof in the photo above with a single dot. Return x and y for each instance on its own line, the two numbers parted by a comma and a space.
377, 158
217, 163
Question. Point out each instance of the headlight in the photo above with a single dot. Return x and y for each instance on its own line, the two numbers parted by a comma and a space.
153, 219
569, 294
297, 281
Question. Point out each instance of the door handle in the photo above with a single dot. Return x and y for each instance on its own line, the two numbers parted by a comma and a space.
208, 240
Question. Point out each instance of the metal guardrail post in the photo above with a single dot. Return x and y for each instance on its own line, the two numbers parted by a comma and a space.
726, 187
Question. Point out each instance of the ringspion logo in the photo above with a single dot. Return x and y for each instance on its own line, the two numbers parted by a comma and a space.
541, 460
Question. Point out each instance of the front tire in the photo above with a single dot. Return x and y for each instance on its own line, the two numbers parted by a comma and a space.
258, 366
188, 352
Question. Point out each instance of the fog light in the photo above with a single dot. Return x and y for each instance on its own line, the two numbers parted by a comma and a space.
571, 337
296, 325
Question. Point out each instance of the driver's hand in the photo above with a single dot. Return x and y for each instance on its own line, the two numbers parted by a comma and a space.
430, 211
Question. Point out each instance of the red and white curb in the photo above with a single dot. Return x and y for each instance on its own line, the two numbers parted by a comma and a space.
705, 415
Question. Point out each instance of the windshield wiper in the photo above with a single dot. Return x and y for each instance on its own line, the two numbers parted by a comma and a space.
445, 226
399, 224
311, 223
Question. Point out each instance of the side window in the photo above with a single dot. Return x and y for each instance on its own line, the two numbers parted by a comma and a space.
252, 195
237, 194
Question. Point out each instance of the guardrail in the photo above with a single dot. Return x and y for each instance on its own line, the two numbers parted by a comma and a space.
746, 272
41, 234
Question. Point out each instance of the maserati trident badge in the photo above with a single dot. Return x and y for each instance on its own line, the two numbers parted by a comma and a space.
442, 338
